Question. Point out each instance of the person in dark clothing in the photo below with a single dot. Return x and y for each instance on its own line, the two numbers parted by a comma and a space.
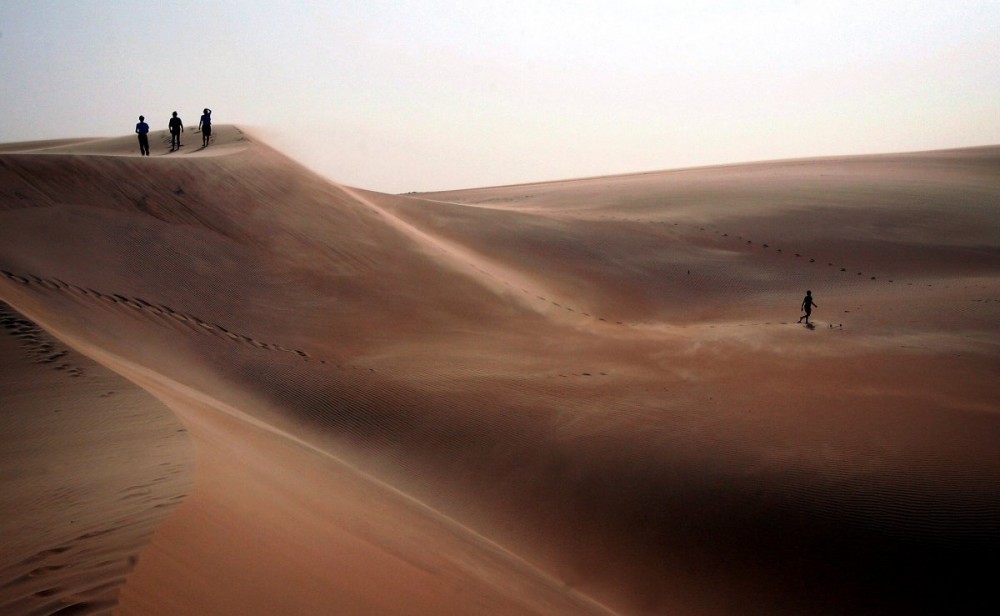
205, 124
142, 129
176, 128
807, 306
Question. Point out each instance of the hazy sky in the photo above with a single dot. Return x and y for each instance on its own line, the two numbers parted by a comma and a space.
435, 94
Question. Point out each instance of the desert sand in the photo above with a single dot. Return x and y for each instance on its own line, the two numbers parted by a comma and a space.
231, 386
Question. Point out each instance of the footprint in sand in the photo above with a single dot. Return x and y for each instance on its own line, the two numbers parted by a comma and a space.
799, 255
36, 343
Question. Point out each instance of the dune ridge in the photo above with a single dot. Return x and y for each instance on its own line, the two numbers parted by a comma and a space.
585, 396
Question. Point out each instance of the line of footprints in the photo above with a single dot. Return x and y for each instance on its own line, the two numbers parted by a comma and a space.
738, 238
141, 305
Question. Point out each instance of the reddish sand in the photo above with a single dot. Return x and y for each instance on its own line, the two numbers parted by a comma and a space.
587, 396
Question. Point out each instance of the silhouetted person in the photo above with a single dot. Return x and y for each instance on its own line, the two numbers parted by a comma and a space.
142, 129
176, 128
205, 124
807, 307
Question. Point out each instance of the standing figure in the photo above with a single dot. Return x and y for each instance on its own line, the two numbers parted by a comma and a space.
142, 129
176, 128
807, 307
205, 124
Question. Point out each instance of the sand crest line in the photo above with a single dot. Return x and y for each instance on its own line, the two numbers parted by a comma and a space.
161, 310
151, 381
460, 257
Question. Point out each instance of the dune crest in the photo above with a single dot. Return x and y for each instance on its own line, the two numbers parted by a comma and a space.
586, 396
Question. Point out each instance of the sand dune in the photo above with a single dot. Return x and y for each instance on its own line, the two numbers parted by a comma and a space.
586, 396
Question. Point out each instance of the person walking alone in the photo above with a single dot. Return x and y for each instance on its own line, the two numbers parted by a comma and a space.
205, 125
176, 128
807, 306
142, 130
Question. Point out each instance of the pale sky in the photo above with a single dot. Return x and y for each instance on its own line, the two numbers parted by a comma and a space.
439, 94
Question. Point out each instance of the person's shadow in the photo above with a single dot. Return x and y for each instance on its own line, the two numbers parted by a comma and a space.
810, 326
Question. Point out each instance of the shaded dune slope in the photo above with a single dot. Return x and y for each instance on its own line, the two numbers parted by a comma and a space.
565, 397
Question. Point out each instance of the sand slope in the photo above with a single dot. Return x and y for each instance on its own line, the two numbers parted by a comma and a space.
91, 466
587, 396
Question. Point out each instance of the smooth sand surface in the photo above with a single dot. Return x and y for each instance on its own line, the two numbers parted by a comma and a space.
585, 396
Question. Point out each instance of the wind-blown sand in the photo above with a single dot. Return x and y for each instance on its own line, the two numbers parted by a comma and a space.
588, 396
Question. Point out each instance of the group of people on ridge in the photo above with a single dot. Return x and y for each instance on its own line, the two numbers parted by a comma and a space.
176, 127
